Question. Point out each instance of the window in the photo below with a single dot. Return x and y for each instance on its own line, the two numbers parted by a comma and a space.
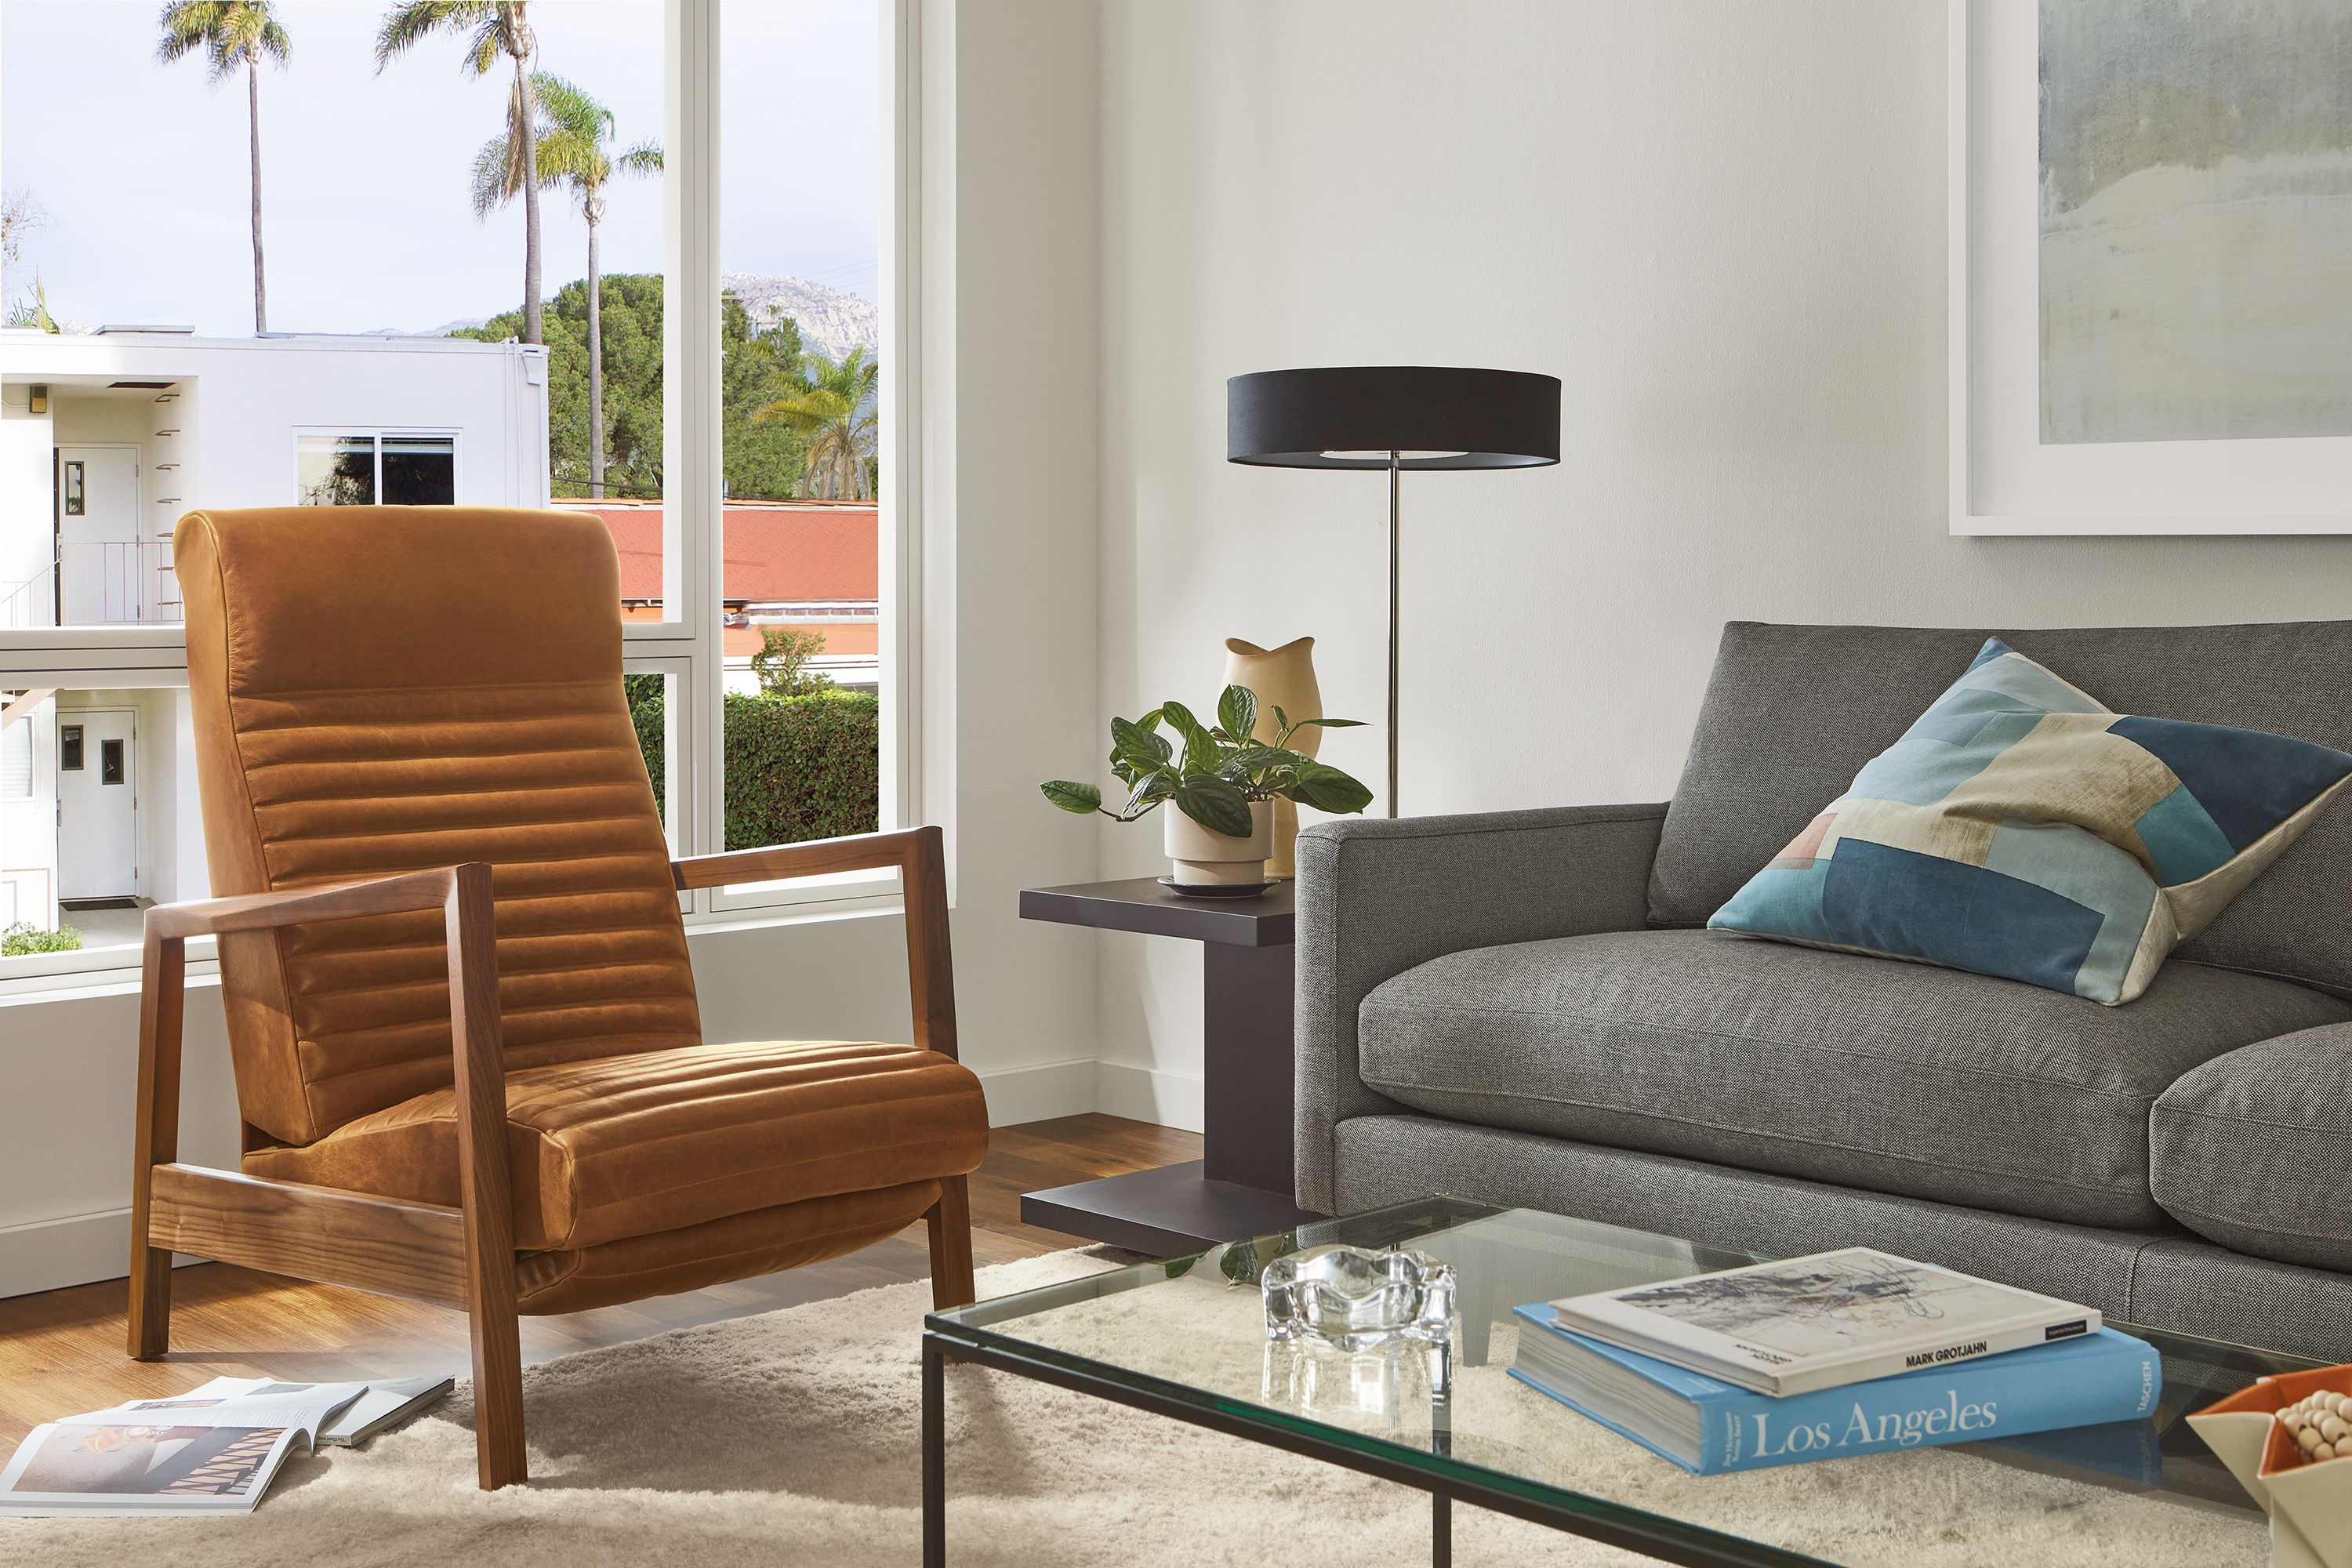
374, 469
755, 520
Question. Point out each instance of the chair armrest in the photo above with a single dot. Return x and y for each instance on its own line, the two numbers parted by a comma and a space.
1377, 897
401, 894
811, 857
920, 855
462, 895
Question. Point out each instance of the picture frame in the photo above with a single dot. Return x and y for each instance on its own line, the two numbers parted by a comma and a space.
2003, 478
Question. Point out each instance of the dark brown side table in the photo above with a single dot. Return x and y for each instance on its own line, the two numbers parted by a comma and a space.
1242, 1185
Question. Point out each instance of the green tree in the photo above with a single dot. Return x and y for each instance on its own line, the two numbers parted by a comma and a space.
782, 663
573, 131
232, 33
490, 28
756, 366
834, 407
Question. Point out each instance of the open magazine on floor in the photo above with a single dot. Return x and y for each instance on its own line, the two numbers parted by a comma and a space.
213, 1449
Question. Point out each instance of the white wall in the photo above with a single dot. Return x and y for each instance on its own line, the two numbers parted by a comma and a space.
26, 449
1721, 224
1009, 683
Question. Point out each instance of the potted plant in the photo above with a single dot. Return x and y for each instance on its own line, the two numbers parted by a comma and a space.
1222, 783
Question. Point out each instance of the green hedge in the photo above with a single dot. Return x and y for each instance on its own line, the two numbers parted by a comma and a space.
797, 767
802, 767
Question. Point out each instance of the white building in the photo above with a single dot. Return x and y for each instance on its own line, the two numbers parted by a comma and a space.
105, 440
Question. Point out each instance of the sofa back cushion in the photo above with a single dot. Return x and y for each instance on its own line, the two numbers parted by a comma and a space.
1793, 713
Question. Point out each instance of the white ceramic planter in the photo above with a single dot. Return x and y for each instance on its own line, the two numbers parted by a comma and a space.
1207, 858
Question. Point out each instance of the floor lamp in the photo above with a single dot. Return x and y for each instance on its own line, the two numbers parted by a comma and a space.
1402, 418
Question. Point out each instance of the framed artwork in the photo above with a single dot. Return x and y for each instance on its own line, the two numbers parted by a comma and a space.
2151, 267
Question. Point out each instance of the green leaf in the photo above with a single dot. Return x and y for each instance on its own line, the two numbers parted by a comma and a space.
1281, 719
1237, 713
1150, 791
1082, 798
1201, 753
1257, 759
1327, 789
1332, 723
1216, 806
1138, 748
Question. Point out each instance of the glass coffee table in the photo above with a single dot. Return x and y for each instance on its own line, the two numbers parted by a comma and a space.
1184, 1338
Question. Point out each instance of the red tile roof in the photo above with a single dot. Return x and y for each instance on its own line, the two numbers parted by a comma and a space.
776, 550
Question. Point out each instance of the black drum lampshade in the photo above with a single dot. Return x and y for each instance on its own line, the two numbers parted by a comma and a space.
1354, 416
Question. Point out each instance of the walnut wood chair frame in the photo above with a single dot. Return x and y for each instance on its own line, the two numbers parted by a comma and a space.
462, 1258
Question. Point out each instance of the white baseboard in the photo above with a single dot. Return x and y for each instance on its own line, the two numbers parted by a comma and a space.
1039, 1093
1147, 1094
50, 1254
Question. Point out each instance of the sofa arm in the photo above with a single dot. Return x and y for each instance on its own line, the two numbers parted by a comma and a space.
1378, 897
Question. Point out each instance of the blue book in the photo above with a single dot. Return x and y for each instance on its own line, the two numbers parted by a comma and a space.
1708, 1427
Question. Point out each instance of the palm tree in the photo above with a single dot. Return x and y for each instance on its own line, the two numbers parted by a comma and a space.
490, 28
834, 407
232, 33
572, 133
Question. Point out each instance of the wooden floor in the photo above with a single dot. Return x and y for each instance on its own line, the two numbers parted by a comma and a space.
61, 1352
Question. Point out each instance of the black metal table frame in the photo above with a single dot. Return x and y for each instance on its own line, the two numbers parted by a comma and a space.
1691, 1546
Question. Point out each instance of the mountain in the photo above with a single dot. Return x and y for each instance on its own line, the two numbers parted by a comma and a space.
831, 323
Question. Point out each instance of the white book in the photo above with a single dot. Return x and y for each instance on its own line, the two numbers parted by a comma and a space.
1822, 1320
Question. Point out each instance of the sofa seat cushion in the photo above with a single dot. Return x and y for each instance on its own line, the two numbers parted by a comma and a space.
632, 1145
2253, 1150
1897, 1078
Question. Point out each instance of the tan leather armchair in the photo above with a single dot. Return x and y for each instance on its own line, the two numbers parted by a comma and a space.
462, 1020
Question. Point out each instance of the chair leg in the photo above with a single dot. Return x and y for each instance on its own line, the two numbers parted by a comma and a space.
498, 1396
155, 1137
949, 1222
151, 1300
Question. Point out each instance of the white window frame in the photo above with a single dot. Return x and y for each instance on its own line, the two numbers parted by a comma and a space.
689, 647
377, 434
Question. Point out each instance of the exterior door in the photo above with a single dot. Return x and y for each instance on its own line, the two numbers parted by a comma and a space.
101, 580
98, 804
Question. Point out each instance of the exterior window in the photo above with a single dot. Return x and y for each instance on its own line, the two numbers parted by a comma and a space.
366, 469
704, 374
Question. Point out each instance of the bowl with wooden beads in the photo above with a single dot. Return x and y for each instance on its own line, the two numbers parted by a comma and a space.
2320, 1425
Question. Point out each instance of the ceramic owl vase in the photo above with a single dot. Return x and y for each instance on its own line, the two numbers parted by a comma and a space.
1283, 677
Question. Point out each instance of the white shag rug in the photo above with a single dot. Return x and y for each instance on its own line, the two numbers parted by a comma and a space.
793, 1438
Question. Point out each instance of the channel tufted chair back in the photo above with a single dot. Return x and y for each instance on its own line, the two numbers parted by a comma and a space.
468, 1057
381, 690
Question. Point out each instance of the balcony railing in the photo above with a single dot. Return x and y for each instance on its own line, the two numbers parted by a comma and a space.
104, 583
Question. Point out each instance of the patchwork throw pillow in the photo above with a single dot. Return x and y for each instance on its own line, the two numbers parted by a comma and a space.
2020, 828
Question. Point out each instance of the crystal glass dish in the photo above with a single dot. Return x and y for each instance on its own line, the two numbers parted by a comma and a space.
1358, 1297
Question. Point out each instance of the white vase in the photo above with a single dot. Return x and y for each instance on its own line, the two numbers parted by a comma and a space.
1204, 857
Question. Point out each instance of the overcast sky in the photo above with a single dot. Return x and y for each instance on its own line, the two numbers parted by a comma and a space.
141, 168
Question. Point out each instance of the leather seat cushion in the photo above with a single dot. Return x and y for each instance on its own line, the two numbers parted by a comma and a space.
1867, 1072
741, 1247
633, 1145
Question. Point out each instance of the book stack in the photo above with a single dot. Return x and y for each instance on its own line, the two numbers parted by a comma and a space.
1845, 1353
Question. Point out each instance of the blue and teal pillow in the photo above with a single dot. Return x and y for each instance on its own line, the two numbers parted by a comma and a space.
2020, 828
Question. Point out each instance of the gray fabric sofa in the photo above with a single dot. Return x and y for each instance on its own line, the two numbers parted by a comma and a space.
1522, 1007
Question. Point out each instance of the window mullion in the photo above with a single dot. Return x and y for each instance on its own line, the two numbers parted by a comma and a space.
691, 358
